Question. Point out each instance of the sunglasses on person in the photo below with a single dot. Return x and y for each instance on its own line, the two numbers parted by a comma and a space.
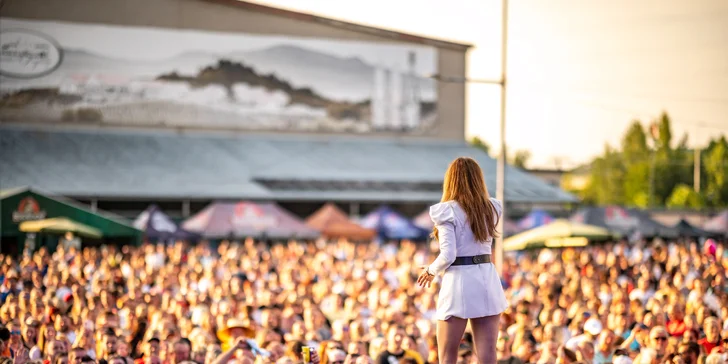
660, 338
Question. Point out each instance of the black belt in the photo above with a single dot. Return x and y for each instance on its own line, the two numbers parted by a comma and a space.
478, 259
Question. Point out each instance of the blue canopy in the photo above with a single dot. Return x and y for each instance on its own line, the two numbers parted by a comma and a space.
160, 227
390, 225
535, 219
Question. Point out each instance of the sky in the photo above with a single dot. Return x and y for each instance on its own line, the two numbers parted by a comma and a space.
579, 72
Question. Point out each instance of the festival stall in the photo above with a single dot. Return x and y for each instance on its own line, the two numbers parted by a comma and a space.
534, 219
624, 221
158, 226
28, 216
718, 224
390, 225
685, 229
222, 220
334, 223
559, 234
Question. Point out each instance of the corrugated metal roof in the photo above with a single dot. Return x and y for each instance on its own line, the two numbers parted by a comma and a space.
166, 164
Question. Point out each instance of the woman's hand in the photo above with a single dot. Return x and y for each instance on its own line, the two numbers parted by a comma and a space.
21, 356
425, 278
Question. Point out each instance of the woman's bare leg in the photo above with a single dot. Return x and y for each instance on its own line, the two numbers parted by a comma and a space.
485, 335
449, 335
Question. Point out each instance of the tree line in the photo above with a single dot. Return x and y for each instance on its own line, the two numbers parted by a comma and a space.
650, 169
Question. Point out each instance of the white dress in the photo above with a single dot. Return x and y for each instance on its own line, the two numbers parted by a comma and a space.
467, 291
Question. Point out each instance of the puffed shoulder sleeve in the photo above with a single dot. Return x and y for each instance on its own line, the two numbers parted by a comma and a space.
498, 205
442, 214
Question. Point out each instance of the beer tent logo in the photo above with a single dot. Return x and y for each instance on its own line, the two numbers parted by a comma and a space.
28, 54
618, 217
579, 217
248, 214
28, 209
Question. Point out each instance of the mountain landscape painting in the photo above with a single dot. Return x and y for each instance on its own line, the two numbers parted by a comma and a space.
113, 75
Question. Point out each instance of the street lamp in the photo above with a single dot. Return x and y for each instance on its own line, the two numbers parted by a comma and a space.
501, 165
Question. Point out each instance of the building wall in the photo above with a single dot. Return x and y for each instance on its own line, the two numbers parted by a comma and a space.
216, 16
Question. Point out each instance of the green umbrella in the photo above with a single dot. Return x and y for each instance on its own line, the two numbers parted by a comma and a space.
60, 225
558, 234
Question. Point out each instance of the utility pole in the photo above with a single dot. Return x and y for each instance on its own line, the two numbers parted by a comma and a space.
696, 170
500, 188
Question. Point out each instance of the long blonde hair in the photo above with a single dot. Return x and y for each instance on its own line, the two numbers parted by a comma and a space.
464, 183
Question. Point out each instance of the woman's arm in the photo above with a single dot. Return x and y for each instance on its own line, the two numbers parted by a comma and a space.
443, 216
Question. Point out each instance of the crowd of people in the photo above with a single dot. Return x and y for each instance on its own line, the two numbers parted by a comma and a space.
339, 302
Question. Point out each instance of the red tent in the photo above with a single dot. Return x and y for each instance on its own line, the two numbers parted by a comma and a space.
248, 219
333, 223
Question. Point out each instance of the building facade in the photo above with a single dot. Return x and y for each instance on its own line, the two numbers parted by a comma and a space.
182, 102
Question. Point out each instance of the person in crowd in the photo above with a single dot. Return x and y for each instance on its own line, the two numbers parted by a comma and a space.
471, 291
394, 351
181, 351
108, 342
503, 348
592, 330
689, 352
711, 328
605, 347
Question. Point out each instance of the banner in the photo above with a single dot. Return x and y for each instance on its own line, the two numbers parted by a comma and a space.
132, 76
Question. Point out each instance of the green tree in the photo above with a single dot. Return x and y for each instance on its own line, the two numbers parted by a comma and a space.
650, 167
605, 178
684, 196
715, 167
480, 144
520, 158
636, 158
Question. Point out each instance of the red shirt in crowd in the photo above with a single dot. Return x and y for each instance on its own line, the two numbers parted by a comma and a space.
676, 327
707, 345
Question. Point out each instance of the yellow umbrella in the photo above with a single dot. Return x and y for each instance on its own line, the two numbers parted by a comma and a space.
558, 234
60, 225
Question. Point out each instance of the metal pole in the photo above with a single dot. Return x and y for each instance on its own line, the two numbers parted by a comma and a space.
501, 169
186, 208
696, 170
354, 210
652, 178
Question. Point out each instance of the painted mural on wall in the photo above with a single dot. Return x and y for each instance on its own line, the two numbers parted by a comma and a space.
99, 74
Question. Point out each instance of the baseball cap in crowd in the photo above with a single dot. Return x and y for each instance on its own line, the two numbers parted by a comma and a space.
593, 326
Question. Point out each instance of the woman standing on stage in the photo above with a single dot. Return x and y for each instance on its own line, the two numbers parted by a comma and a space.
465, 225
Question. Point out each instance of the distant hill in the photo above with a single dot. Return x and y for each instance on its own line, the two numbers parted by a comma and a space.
227, 73
337, 78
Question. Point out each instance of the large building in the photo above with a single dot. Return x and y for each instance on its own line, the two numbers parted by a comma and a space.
181, 102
